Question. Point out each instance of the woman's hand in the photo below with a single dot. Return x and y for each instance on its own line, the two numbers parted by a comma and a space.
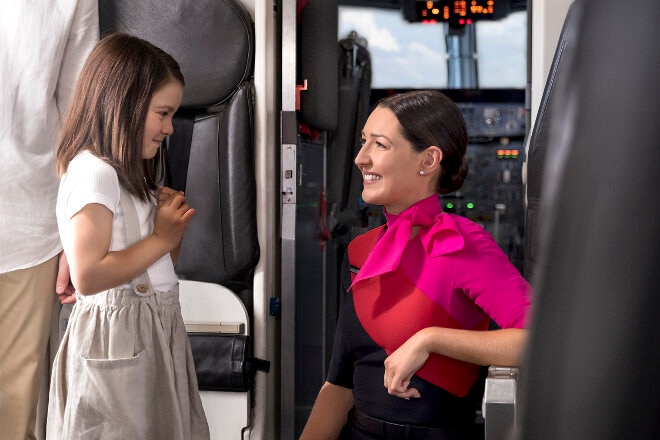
502, 347
402, 364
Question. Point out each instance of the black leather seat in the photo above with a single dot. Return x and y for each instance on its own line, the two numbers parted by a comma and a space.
591, 371
211, 154
540, 142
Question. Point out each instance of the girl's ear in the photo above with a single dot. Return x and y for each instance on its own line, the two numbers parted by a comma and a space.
432, 159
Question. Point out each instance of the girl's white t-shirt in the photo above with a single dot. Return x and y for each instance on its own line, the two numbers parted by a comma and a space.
91, 180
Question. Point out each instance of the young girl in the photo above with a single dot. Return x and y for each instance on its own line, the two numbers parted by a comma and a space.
124, 368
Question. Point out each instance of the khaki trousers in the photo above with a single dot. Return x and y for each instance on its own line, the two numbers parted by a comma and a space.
27, 303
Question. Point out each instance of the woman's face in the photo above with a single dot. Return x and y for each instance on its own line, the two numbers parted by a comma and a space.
158, 123
390, 167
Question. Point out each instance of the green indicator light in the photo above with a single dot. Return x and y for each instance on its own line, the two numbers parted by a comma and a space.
470, 205
449, 205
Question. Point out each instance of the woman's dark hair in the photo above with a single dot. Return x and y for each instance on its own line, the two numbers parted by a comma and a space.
427, 118
109, 108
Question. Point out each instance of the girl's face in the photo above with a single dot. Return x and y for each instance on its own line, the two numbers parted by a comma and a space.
389, 165
158, 123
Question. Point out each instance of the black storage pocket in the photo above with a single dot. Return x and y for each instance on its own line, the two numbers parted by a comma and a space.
223, 361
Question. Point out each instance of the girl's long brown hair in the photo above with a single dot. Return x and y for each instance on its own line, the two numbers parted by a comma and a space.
109, 109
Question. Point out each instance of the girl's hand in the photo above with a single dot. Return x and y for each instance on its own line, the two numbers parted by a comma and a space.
402, 364
63, 287
172, 216
165, 193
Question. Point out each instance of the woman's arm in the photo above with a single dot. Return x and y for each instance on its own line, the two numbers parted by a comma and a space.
329, 414
94, 268
495, 347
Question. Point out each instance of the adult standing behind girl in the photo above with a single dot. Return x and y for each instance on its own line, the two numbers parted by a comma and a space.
413, 327
124, 368
43, 45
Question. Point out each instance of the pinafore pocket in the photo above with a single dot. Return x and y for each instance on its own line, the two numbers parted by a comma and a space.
108, 399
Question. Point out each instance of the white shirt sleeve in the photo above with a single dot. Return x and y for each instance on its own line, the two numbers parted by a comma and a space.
82, 38
88, 180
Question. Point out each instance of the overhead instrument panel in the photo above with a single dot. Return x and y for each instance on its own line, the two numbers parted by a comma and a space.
457, 13
492, 194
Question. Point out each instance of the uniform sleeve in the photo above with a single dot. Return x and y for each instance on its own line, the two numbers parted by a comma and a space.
492, 282
340, 371
89, 180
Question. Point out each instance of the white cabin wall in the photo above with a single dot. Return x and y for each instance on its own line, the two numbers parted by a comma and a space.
265, 416
547, 21
250, 5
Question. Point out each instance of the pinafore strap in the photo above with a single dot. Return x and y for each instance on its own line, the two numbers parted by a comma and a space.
140, 284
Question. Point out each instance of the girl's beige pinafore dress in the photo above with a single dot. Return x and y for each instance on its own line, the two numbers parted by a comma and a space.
124, 369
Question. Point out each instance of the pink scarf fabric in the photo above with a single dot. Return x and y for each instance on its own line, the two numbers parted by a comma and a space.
438, 233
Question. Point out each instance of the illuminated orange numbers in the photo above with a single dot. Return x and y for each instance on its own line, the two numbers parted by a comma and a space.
456, 10
476, 8
460, 8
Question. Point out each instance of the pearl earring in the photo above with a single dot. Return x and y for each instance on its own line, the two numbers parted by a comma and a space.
421, 173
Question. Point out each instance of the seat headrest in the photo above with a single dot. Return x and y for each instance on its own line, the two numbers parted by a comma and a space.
213, 41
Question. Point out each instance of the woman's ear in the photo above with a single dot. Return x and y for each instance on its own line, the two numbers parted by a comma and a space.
432, 159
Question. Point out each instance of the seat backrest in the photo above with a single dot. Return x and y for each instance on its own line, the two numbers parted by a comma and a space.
591, 371
539, 144
211, 154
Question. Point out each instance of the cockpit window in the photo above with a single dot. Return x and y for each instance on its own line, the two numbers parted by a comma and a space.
414, 55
